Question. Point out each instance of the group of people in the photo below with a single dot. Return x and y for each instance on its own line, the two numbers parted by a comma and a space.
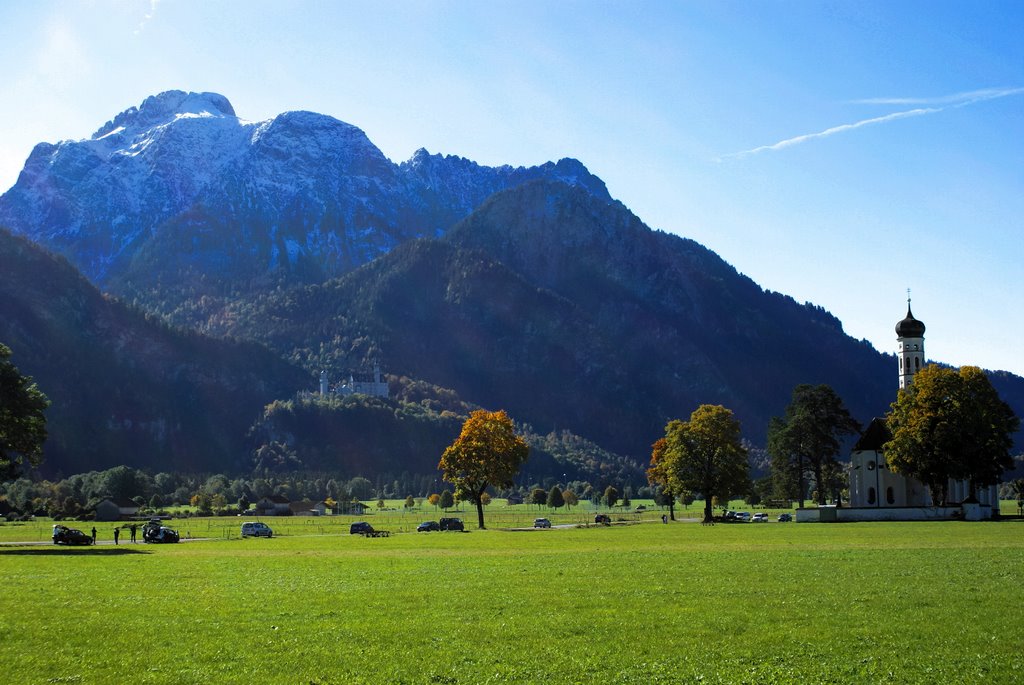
133, 528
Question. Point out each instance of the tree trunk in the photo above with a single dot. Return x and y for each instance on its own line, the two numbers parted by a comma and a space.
822, 499
800, 479
480, 507
708, 517
672, 508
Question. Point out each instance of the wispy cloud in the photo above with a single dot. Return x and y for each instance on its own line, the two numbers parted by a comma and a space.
938, 105
958, 99
148, 16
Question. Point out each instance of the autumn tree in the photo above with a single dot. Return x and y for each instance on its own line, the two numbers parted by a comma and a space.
434, 499
22, 419
410, 502
950, 424
658, 476
571, 500
487, 452
807, 439
705, 454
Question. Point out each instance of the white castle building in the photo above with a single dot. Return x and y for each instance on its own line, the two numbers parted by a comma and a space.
374, 385
877, 493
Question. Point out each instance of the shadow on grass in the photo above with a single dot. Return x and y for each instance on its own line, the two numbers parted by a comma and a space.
62, 551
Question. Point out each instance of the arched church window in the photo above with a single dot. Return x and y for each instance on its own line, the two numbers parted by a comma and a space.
890, 496
901, 364
917, 363
871, 495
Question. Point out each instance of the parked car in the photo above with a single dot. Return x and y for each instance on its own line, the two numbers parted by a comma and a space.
256, 529
541, 523
360, 528
428, 526
785, 518
451, 524
70, 536
759, 517
743, 516
603, 518
155, 531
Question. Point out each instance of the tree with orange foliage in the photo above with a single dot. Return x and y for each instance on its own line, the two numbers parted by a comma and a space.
487, 452
657, 475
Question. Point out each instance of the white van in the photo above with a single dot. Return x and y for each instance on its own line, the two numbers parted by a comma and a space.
256, 529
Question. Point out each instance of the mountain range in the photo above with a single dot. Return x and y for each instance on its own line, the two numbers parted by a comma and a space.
529, 289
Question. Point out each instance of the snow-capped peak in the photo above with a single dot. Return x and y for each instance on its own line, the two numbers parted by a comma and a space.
164, 108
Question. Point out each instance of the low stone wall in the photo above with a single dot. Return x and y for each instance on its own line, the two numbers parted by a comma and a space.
968, 512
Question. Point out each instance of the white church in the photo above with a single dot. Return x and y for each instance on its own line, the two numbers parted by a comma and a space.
879, 494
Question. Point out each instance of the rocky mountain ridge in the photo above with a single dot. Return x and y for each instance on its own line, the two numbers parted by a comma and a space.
182, 177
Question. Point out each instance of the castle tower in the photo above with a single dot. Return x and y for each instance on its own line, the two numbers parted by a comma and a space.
910, 341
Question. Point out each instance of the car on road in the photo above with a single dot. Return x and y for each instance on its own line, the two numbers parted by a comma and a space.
428, 526
743, 516
70, 536
360, 528
759, 517
541, 523
785, 518
256, 529
603, 518
451, 524
155, 531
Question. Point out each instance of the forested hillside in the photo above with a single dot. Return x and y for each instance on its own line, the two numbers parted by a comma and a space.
125, 388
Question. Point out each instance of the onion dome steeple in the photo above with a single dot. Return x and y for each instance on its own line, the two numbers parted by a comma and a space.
910, 327
910, 339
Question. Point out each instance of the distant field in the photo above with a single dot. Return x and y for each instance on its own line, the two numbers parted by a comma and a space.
779, 603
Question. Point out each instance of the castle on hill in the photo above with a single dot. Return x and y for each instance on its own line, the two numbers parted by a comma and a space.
364, 384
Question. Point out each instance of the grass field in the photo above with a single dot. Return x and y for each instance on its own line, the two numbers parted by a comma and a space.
648, 603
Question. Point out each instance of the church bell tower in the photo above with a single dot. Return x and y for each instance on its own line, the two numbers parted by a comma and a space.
910, 340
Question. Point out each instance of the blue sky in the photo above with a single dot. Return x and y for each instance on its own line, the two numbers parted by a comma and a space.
838, 152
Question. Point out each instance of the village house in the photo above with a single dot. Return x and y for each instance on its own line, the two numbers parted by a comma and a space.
119, 510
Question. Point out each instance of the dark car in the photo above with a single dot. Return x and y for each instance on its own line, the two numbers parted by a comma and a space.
603, 518
785, 518
428, 526
541, 523
360, 528
451, 524
70, 536
155, 531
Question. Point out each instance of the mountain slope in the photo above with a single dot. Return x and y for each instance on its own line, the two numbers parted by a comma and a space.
180, 198
125, 388
567, 311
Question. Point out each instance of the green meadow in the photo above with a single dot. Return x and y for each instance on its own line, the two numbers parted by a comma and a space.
629, 603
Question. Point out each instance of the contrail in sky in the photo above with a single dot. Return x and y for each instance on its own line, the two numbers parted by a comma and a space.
149, 15
947, 101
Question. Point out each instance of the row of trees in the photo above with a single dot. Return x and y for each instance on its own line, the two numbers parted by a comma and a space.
947, 425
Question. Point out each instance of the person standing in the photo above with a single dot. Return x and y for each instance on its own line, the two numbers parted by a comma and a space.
132, 529
117, 533
94, 535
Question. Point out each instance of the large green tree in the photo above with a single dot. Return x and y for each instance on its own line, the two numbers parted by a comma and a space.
950, 424
705, 454
807, 439
22, 419
555, 499
487, 452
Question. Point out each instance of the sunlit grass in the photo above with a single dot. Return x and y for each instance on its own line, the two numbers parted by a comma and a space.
878, 602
